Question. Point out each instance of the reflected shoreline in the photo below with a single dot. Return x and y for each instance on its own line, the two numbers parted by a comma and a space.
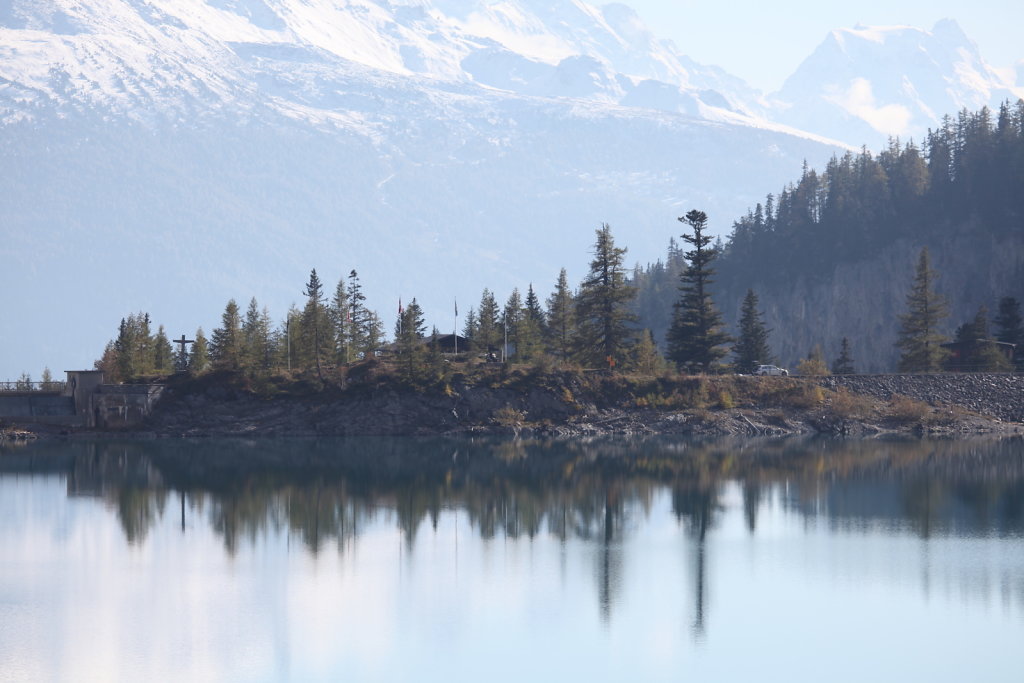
326, 488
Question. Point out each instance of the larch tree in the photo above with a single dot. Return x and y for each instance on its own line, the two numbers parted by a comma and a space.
226, 341
199, 358
163, 354
751, 348
603, 320
920, 341
696, 338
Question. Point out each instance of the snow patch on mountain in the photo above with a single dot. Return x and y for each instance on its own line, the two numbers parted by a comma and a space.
864, 84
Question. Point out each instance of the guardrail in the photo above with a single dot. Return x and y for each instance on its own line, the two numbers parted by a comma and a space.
52, 387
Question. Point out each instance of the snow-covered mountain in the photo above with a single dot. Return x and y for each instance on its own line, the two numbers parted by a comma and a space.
165, 155
864, 84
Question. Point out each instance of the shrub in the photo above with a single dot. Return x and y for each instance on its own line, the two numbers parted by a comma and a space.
725, 400
507, 416
846, 405
804, 395
906, 409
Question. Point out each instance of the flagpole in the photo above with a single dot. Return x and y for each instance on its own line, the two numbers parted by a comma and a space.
455, 332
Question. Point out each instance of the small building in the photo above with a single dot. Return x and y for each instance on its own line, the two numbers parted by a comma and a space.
85, 401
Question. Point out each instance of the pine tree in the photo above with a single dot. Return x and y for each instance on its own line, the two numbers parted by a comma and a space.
358, 316
199, 359
163, 354
125, 349
976, 352
469, 330
316, 321
373, 333
409, 331
696, 337
488, 333
920, 340
47, 380
226, 342
341, 316
365, 329
843, 365
561, 319
603, 320
134, 347
257, 345
751, 347
512, 324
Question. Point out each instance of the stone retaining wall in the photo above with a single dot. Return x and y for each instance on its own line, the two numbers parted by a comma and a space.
997, 395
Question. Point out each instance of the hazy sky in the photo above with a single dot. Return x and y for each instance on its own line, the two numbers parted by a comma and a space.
764, 42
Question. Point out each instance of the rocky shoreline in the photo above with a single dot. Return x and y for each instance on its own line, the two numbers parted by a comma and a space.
565, 404
572, 403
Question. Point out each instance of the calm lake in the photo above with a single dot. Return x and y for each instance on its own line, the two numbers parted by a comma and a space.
630, 559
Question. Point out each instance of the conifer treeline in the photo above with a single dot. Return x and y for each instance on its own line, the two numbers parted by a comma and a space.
970, 171
966, 179
591, 326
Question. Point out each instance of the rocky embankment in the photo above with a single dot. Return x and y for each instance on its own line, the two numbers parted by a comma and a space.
565, 403
994, 395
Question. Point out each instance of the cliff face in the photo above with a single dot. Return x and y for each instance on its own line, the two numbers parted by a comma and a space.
863, 301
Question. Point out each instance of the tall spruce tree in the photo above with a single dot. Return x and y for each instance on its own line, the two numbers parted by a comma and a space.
316, 323
603, 320
919, 338
359, 323
975, 351
341, 317
531, 332
696, 338
561, 319
751, 347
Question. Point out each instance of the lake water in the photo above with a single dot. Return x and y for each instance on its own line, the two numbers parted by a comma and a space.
497, 560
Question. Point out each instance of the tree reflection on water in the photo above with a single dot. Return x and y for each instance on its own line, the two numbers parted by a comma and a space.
325, 492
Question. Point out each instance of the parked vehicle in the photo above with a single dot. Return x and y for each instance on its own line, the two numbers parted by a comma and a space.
765, 370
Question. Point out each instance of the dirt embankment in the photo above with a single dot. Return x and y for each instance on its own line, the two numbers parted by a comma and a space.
566, 403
